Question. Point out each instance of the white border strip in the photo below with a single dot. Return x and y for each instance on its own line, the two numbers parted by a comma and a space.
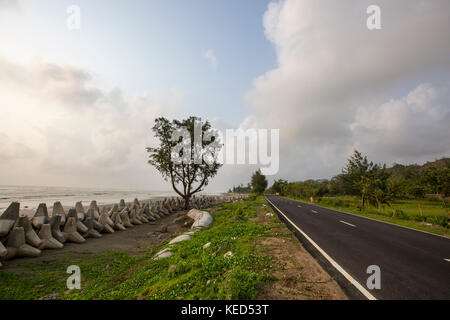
333, 263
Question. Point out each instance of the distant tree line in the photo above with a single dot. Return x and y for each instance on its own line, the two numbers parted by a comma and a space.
375, 184
257, 185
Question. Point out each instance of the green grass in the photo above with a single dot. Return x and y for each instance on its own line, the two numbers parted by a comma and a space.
402, 212
198, 273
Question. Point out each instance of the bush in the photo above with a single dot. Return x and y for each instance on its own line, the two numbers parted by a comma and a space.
438, 220
400, 214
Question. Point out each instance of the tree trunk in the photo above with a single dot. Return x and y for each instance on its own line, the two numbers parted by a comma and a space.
420, 208
362, 203
186, 202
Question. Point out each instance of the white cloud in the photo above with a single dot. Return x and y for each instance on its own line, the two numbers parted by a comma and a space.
58, 129
335, 78
210, 56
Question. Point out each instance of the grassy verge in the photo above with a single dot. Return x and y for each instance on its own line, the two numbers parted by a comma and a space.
190, 273
401, 212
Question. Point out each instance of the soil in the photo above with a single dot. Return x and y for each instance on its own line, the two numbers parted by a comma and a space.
298, 275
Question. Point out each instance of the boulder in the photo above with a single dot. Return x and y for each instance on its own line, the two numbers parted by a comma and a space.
58, 209
202, 219
3, 251
96, 210
70, 231
9, 218
30, 235
91, 233
122, 204
81, 214
118, 224
81, 227
107, 223
41, 216
48, 242
125, 219
133, 218
16, 246
55, 223
183, 237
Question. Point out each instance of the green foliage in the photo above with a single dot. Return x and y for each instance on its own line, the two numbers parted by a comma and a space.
194, 167
190, 273
259, 182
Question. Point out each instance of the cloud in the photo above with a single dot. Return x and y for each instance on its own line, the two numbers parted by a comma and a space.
58, 128
339, 85
210, 56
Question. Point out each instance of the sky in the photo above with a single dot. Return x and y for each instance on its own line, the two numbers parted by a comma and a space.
77, 106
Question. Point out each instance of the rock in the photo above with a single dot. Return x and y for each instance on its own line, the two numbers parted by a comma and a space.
183, 237
125, 219
122, 204
227, 255
165, 253
48, 242
172, 268
58, 210
92, 232
80, 211
202, 219
30, 235
3, 251
55, 223
41, 216
16, 246
269, 214
53, 296
93, 206
106, 222
207, 245
70, 231
163, 229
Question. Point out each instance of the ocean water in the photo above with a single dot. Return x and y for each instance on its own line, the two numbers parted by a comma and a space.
30, 196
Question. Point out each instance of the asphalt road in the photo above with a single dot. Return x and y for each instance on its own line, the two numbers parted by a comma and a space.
412, 264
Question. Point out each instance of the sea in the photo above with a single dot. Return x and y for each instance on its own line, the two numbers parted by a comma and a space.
31, 196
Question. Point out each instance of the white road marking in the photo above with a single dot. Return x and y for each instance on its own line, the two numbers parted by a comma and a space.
299, 206
314, 211
447, 260
332, 262
351, 225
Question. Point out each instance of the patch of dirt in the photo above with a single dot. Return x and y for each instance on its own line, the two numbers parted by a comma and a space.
131, 241
298, 275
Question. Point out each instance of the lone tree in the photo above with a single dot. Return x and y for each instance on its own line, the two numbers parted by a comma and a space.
186, 155
259, 182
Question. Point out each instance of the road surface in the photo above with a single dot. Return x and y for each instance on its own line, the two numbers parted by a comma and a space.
413, 264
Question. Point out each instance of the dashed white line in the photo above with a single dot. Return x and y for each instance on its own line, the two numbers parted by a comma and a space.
447, 260
351, 225
314, 211
299, 206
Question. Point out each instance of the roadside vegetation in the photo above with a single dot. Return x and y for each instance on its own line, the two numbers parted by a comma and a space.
414, 196
192, 272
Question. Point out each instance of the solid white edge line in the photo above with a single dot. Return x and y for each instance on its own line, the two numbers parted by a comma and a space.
358, 286
351, 225
447, 260
357, 215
